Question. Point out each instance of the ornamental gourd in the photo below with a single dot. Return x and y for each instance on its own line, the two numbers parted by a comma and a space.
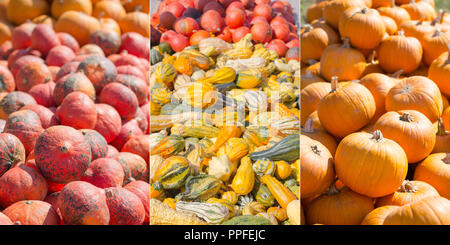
244, 179
173, 172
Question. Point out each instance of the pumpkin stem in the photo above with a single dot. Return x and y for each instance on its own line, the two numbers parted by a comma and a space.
364, 10
334, 84
101, 14
438, 18
28, 202
308, 28
371, 59
401, 33
315, 149
438, 32
346, 43
378, 136
308, 126
308, 74
406, 117
441, 128
332, 190
408, 187
397, 74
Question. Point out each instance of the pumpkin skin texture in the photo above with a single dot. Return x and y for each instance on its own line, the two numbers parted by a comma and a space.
13, 102
108, 122
137, 85
43, 39
319, 135
411, 130
82, 203
435, 170
434, 45
416, 93
62, 154
125, 207
5, 220
32, 74
316, 167
99, 146
346, 109
100, 71
77, 24
342, 61
338, 207
420, 10
59, 55
121, 98
400, 53
134, 166
32, 212
71, 83
69, 41
59, 7
12, 152
46, 116
104, 173
440, 71
142, 190
370, 164
43, 94
398, 14
408, 192
364, 27
20, 11
129, 129
314, 41
310, 97
333, 10
77, 110
26, 126
22, 183
377, 216
7, 83
108, 41
139, 145
379, 85
434, 210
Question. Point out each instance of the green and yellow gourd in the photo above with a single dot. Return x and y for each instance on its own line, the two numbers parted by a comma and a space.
234, 148
244, 180
213, 213
160, 94
168, 146
173, 172
285, 77
281, 193
165, 73
262, 195
249, 78
240, 53
264, 166
247, 220
198, 59
199, 129
200, 187
223, 75
155, 56
223, 202
286, 149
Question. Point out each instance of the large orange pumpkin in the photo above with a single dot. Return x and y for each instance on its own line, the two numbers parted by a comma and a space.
333, 10
439, 72
377, 216
21, 10
314, 41
435, 170
136, 22
77, 24
398, 14
408, 192
320, 135
434, 45
310, 97
419, 10
61, 6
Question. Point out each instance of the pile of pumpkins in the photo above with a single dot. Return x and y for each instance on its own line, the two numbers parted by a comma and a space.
375, 116
74, 115
224, 142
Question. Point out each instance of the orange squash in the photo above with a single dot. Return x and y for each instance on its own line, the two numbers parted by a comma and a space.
435, 170
77, 24
408, 192
60, 6
377, 216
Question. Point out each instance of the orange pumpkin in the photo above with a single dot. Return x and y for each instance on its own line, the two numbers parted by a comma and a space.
333, 10
442, 139
435, 170
333, 36
419, 10
434, 45
418, 29
310, 97
314, 41
308, 78
61, 6
136, 22
132, 5
320, 135
439, 72
377, 216
19, 11
390, 25
109, 9
5, 32
408, 192
77, 24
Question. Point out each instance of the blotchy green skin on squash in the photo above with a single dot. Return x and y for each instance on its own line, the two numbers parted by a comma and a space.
13, 102
137, 85
62, 154
134, 166
99, 146
7, 83
81, 203
99, 70
12, 152
125, 208
25, 125
128, 130
108, 41
71, 83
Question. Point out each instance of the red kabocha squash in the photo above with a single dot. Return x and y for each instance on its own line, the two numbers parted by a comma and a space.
235, 18
53, 71
278, 46
99, 70
43, 94
77, 110
26, 126
139, 145
12, 152
212, 21
13, 102
99, 146
53, 200
71, 83
111, 151
82, 203
43, 39
21, 35
91, 49
261, 32
412, 130
32, 212
134, 166
142, 190
135, 44
130, 70
46, 116
108, 122
264, 10
32, 74
69, 67
226, 35
125, 208
7, 83
198, 36
214, 5
62, 154
186, 26
108, 41
128, 59
59, 55
21, 183
24, 60
435, 170
378, 215
4, 220
137, 85
408, 192
238, 33
121, 98
69, 41
104, 173
16, 54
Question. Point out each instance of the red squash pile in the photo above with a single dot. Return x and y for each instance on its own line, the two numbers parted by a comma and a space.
183, 23
74, 128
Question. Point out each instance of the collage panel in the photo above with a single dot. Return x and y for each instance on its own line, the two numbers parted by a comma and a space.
374, 112
74, 90
225, 119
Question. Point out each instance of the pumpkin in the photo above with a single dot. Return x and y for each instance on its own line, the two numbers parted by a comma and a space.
138, 145
108, 41
134, 166
128, 129
398, 14
104, 173
43, 38
21, 35
12, 152
46, 116
32, 212
316, 167
20, 11
416, 93
26, 126
77, 24
62, 154
137, 85
346, 109
109, 9
408, 192
333, 10
433, 210
77, 110
121, 98
13, 102
319, 135
314, 41
97, 142
435, 170
359, 152
442, 139
390, 25
315, 11
142, 190
125, 208
364, 27
310, 97
400, 53
377, 216
379, 85
438, 71
5, 220
81, 203
333, 36
22, 183
420, 10
100, 71
434, 45
338, 207
59, 55
71, 83
261, 32
418, 29
135, 22
342, 61
411, 130
7, 83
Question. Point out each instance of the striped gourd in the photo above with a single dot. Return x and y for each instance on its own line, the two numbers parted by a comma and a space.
170, 202
165, 73
198, 59
234, 148
262, 52
241, 53
160, 95
200, 187
184, 65
249, 78
201, 95
281, 193
248, 220
252, 208
256, 100
287, 125
230, 196
263, 195
223, 75
245, 42
267, 70
264, 166
285, 77
213, 213
286, 149
270, 217
199, 129
173, 172
223, 202
169, 146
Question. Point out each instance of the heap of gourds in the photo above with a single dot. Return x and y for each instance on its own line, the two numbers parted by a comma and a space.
224, 143
374, 113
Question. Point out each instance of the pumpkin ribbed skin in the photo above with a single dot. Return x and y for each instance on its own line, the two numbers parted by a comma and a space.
13, 102
142, 190
71, 83
134, 166
100, 71
338, 207
433, 210
316, 167
32, 212
109, 9
77, 110
99, 146
370, 164
310, 97
333, 10
104, 173
435, 170
77, 24
439, 72
411, 130
139, 145
136, 22
12, 152
21, 10
21, 183
26, 126
125, 208
379, 85
108, 122
397, 13
408, 192
419, 10
62, 154
82, 203
314, 41
377, 216
121, 98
